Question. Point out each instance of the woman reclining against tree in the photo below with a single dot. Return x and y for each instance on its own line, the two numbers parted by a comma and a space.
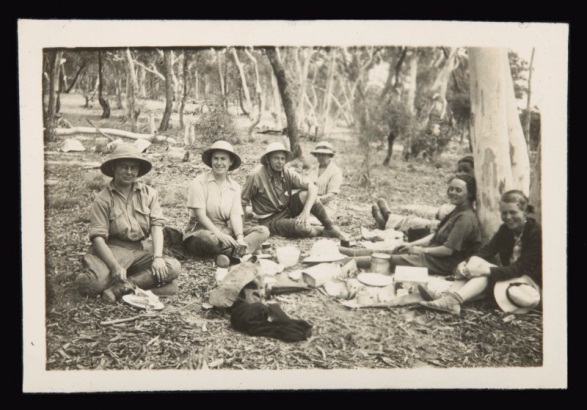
384, 219
516, 282
457, 237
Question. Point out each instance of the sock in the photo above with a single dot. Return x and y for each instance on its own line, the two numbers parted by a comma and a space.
321, 214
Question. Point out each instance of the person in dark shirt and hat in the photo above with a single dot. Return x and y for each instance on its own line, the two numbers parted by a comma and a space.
269, 189
123, 215
516, 281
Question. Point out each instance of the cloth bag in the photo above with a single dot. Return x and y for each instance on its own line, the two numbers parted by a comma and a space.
257, 319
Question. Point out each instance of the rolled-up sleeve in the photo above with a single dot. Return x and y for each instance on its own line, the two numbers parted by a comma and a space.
99, 218
298, 181
248, 191
196, 195
236, 208
156, 215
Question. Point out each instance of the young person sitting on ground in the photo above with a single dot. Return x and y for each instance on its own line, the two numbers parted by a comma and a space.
326, 175
457, 237
123, 215
516, 281
384, 219
269, 191
215, 226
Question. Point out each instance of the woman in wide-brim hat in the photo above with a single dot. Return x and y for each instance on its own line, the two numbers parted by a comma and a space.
516, 281
123, 215
216, 227
326, 175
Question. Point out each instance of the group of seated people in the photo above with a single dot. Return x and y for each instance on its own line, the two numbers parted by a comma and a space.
284, 202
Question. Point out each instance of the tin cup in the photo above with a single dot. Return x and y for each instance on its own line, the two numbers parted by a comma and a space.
381, 263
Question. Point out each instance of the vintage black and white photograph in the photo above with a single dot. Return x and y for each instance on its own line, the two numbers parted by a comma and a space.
293, 205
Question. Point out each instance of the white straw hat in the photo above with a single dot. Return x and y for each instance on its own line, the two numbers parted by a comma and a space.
518, 295
324, 250
323, 147
276, 147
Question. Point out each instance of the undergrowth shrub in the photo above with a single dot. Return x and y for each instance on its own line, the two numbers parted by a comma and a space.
217, 124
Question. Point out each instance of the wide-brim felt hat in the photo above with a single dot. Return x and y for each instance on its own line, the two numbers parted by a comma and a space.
324, 250
125, 151
323, 147
517, 295
276, 147
221, 146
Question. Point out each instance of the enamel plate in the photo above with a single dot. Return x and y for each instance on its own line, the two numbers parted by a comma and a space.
375, 279
141, 302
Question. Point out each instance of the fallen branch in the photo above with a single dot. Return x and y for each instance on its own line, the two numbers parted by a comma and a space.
100, 132
103, 131
128, 319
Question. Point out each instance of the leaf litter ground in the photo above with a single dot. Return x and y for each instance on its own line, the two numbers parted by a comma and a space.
84, 333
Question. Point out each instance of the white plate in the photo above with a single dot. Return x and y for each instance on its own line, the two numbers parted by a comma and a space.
375, 279
139, 302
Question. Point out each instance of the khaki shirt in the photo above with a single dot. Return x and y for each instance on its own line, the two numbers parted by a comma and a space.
113, 216
219, 203
330, 180
263, 189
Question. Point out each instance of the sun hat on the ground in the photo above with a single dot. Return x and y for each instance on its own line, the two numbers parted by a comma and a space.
323, 147
125, 151
324, 250
518, 295
275, 147
221, 146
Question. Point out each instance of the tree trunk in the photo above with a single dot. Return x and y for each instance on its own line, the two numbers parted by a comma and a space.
411, 98
49, 120
276, 114
258, 94
528, 105
490, 136
221, 77
246, 106
75, 78
164, 126
519, 156
287, 97
324, 117
132, 88
303, 76
103, 101
119, 89
536, 185
184, 94
142, 80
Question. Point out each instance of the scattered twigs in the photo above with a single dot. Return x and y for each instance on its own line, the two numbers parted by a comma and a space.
128, 319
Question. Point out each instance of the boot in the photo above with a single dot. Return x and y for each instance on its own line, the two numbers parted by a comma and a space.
448, 303
378, 217
428, 294
334, 232
384, 209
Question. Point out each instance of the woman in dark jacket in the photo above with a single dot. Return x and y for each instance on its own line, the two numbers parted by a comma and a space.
518, 242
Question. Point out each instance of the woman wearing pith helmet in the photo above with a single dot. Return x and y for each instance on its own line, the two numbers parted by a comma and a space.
123, 216
216, 215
